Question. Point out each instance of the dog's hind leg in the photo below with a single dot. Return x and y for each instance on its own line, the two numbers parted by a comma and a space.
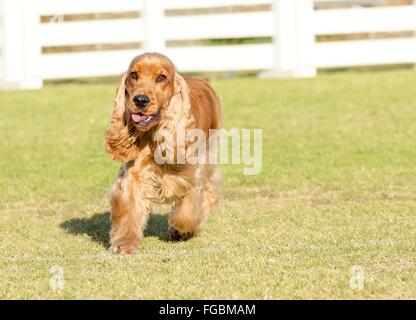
192, 211
211, 187
188, 216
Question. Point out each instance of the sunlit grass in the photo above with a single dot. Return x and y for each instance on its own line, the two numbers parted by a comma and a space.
337, 189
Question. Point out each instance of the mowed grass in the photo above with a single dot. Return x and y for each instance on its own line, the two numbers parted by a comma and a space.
336, 190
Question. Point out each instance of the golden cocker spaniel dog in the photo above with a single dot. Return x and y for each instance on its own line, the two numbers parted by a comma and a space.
152, 97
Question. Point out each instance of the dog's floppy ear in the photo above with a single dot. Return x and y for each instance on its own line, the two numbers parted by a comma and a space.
180, 102
119, 101
180, 83
177, 116
119, 138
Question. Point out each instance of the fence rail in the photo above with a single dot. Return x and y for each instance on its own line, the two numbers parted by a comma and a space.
54, 7
225, 26
90, 32
197, 4
153, 25
364, 20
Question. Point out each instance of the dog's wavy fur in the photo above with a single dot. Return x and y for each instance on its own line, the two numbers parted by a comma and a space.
141, 181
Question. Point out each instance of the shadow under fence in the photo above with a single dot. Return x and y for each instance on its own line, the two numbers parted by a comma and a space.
98, 226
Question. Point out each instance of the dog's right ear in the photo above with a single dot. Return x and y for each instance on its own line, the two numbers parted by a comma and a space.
120, 99
119, 140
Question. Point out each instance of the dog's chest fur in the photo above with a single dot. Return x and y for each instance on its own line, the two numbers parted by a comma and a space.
159, 183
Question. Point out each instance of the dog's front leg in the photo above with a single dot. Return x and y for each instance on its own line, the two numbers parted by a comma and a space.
129, 214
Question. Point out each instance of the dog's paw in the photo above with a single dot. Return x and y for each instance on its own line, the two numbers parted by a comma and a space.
123, 249
175, 235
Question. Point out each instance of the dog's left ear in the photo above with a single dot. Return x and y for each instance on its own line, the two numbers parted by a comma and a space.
180, 84
177, 113
180, 102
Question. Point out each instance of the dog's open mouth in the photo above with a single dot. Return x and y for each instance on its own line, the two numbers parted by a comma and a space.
145, 120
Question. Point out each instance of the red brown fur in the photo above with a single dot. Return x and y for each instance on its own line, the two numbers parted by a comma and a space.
141, 181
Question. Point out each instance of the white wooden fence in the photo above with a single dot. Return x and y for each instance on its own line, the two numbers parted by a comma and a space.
292, 24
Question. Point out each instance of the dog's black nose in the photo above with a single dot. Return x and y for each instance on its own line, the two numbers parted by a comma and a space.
141, 100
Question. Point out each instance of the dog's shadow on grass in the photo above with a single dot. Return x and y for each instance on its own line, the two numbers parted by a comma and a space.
97, 227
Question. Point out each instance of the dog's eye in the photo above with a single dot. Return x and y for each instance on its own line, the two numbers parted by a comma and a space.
134, 75
161, 78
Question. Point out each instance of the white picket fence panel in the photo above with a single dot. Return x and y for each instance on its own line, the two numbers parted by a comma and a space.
225, 26
364, 20
293, 24
364, 52
90, 32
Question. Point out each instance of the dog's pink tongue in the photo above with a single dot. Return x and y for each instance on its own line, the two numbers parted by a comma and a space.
139, 117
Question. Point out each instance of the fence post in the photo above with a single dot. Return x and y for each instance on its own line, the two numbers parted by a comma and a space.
20, 48
293, 39
414, 33
153, 15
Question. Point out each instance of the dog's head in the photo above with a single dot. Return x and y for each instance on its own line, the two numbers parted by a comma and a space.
148, 85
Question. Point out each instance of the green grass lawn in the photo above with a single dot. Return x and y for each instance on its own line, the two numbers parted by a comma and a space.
337, 190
